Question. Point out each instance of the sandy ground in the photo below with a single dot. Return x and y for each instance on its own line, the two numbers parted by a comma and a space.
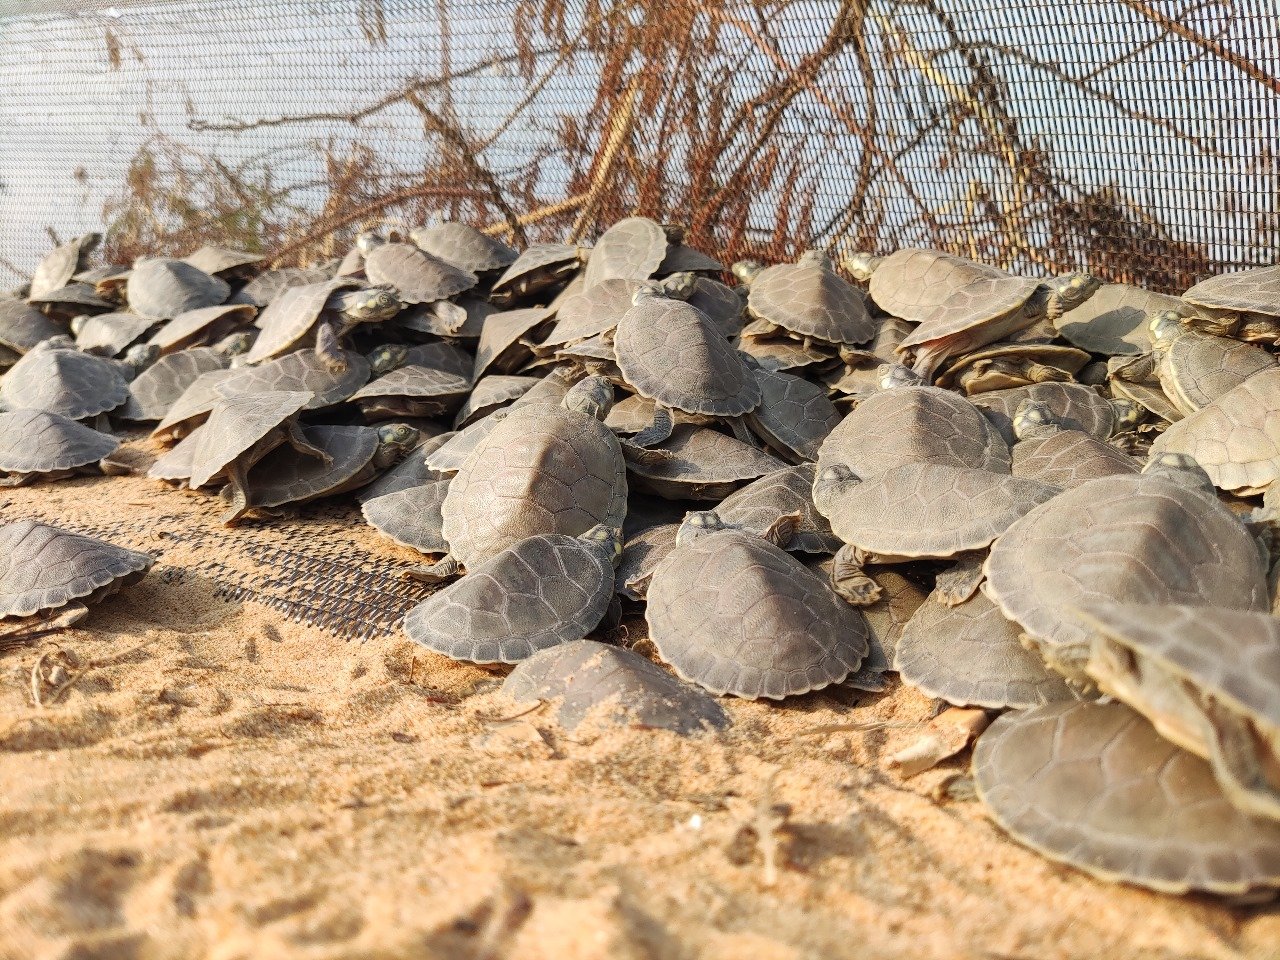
223, 783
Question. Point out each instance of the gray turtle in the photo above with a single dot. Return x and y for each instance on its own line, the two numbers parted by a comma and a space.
794, 416
506, 343
537, 593
761, 503
224, 262
321, 314
36, 445
489, 394
464, 246
641, 553
412, 391
698, 463
154, 391
356, 456
811, 302
415, 275
631, 249
60, 380
270, 284
23, 327
62, 263
109, 334
540, 266
1048, 451
203, 327
412, 516
161, 288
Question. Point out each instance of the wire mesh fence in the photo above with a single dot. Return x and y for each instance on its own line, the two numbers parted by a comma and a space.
1135, 139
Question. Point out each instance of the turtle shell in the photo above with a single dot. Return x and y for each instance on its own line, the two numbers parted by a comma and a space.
721, 304
670, 352
219, 260
413, 391
425, 318
74, 297
464, 247
759, 504
541, 470
35, 441
781, 353
970, 655
1143, 538
45, 568
302, 370
109, 334
810, 299
203, 326
736, 615
704, 464
489, 394
267, 286
413, 516
540, 266
22, 326
1245, 291
631, 249
415, 275
1113, 322
195, 402
1078, 407
160, 289
642, 552
914, 425
74, 384
1236, 438
594, 311
1094, 786
928, 509
944, 293
61, 264
292, 315
286, 476
504, 340
537, 593
1197, 368
682, 258
794, 416
614, 685
412, 471
235, 424
158, 387
1069, 458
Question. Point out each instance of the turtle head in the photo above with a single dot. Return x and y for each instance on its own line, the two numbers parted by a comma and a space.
1163, 328
77, 323
830, 482
366, 241
747, 270
1128, 415
371, 305
1075, 288
1181, 468
646, 292
235, 344
608, 538
698, 523
387, 357
892, 375
395, 440
592, 396
1034, 418
140, 356
675, 232
814, 258
679, 286
861, 265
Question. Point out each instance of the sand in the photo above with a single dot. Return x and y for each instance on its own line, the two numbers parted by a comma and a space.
224, 783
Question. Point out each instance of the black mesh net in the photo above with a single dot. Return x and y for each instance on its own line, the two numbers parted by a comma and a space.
1132, 138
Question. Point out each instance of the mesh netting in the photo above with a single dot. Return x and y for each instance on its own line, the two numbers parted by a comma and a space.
1131, 138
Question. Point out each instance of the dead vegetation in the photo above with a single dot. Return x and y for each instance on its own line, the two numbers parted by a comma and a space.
765, 127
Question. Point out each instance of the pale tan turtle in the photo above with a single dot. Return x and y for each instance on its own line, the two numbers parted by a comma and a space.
914, 424
541, 591
36, 446
412, 391
970, 655
682, 258
542, 469
1158, 537
787, 492
438, 354
153, 392
669, 352
489, 394
464, 246
44, 568
1048, 451
240, 431
736, 614
631, 249
440, 321
597, 309
356, 456
540, 266
60, 380
270, 284
1094, 786
794, 416
415, 275
1244, 304
108, 281
960, 305
698, 463
320, 314
203, 327
585, 679
1077, 406
1134, 379
109, 334
772, 350
1236, 438
192, 406
1113, 322
918, 511
410, 514
506, 342
1004, 365
162, 288
810, 301
23, 327
224, 262
1207, 678
62, 263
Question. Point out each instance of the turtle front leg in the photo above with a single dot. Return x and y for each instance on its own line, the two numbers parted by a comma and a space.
329, 346
16, 479
237, 492
740, 431
850, 581
450, 315
960, 581
657, 431
446, 568
294, 436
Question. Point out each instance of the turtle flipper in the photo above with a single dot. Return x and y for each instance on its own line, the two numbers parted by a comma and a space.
960, 581
446, 568
450, 315
16, 480
298, 440
657, 431
237, 493
850, 581
329, 347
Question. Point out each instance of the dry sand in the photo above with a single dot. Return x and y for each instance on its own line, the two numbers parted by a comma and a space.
228, 784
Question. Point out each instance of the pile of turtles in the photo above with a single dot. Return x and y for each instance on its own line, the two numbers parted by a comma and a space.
1051, 500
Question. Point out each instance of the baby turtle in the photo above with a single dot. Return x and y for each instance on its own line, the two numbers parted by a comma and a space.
617, 687
1077, 406
67, 382
541, 470
736, 614
1208, 679
109, 334
640, 555
631, 249
415, 275
267, 286
669, 352
961, 305
412, 516
161, 288
1094, 786
542, 265
698, 463
36, 445
506, 341
320, 313
760, 504
240, 431
356, 456
1236, 439
1002, 366
794, 416
1113, 322
597, 309
464, 247
539, 592
412, 391
202, 327
811, 302
970, 655
23, 327
1158, 537
61, 264
489, 394
917, 511
1245, 304
1050, 452
157, 388
44, 568
224, 262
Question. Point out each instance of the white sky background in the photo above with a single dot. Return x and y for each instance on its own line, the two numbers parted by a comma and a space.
62, 109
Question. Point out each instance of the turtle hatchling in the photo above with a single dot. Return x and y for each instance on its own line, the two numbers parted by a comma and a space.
36, 445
